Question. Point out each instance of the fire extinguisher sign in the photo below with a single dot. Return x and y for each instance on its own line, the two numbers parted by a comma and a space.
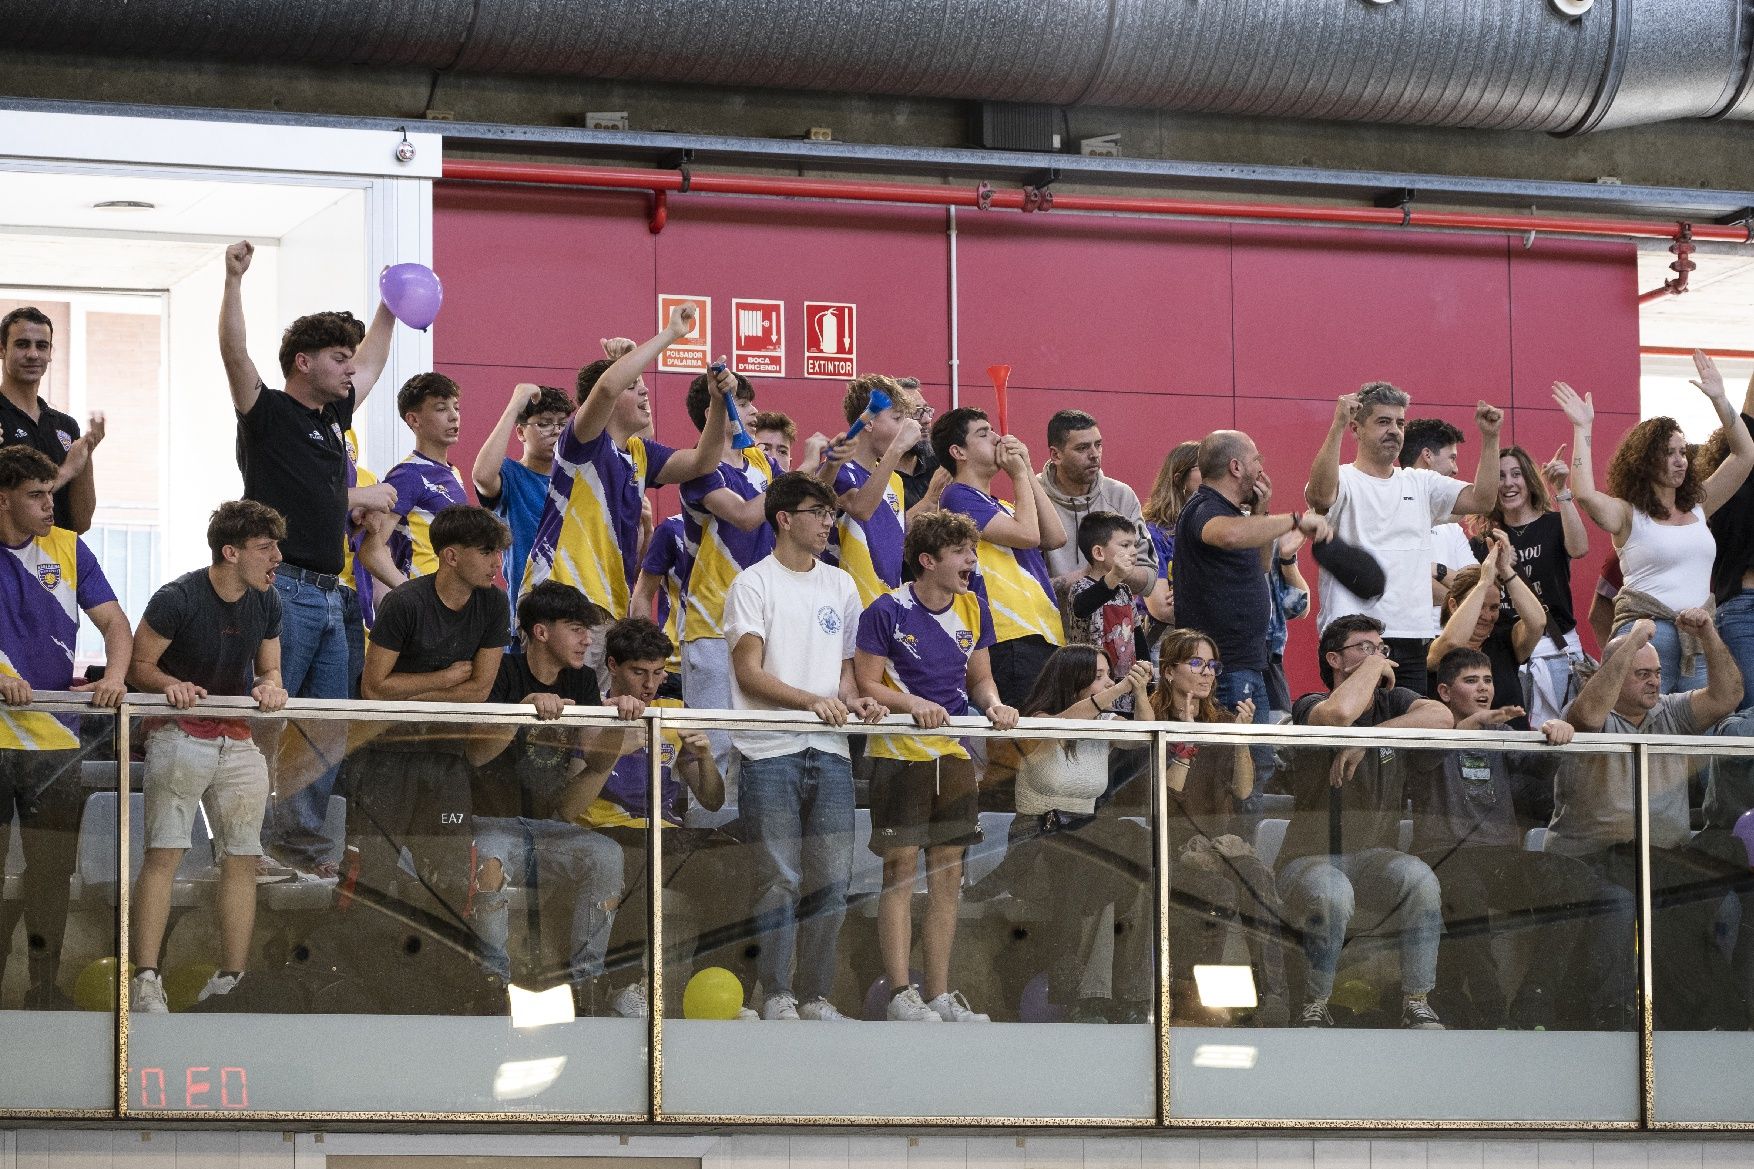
831, 347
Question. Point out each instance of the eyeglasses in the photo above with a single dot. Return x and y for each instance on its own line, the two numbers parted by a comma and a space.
1369, 647
921, 412
827, 515
553, 427
1197, 665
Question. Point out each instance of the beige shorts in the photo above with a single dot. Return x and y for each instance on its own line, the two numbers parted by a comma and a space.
230, 776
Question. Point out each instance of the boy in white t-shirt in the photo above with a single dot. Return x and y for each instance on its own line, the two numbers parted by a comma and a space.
1389, 510
790, 621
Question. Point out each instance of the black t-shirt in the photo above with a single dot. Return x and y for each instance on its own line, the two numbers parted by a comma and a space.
1542, 561
429, 635
212, 644
1365, 811
528, 778
1221, 592
295, 461
1733, 525
53, 433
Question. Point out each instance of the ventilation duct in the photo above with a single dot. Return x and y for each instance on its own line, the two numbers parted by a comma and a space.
1541, 65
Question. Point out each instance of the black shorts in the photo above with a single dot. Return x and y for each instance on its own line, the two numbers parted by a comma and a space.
923, 803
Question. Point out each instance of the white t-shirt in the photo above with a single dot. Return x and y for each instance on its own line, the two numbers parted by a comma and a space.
1449, 547
808, 622
1392, 519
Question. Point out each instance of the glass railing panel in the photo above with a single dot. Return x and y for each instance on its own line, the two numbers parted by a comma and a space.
59, 784
1403, 934
1039, 917
443, 952
1702, 939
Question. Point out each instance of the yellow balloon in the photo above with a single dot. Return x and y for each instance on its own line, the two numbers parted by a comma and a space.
713, 993
95, 989
183, 984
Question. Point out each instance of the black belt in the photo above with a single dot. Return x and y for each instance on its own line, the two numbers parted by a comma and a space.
327, 581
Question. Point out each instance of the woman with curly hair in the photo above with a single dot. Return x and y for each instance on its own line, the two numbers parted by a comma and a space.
1655, 510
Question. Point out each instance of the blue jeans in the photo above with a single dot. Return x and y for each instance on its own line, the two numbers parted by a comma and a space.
798, 817
1668, 643
1735, 624
1233, 686
313, 664
1322, 892
558, 859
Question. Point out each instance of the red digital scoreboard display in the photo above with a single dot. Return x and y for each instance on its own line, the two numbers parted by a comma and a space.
192, 1088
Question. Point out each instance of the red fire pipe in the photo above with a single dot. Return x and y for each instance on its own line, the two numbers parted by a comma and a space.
1682, 265
552, 174
1685, 351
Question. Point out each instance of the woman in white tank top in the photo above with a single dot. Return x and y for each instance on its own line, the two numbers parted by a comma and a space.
1655, 510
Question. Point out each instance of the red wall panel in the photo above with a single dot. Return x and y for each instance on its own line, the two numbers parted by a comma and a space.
1164, 330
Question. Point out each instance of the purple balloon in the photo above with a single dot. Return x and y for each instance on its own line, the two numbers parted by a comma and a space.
877, 998
1744, 831
413, 293
1034, 1006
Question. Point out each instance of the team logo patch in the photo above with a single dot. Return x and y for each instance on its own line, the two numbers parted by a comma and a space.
828, 619
49, 574
964, 640
66, 440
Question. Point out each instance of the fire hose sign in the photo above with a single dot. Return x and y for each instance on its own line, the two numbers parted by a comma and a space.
759, 338
831, 347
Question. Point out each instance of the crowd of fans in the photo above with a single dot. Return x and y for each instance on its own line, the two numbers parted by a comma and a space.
878, 572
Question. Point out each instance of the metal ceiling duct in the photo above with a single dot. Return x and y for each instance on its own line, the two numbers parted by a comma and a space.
1487, 64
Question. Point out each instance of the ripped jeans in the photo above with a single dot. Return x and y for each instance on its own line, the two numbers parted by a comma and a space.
559, 859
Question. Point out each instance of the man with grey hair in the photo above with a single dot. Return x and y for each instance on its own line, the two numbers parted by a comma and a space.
1388, 509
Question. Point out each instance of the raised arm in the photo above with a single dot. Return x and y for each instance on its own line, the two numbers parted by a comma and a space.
1259, 531
491, 457
1481, 495
1723, 678
1531, 624
862, 503
1613, 516
685, 465
1727, 479
593, 413
1351, 698
240, 372
1324, 473
1053, 532
1458, 631
82, 479
1589, 710
373, 353
1557, 473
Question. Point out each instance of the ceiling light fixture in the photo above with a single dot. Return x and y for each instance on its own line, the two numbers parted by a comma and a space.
124, 205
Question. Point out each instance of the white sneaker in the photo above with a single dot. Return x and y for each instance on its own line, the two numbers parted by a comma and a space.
780, 1006
146, 994
908, 1007
268, 871
745, 1014
631, 1002
953, 1008
820, 1010
219, 984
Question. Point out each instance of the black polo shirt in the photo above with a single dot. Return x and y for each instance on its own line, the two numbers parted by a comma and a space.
295, 461
53, 433
1221, 592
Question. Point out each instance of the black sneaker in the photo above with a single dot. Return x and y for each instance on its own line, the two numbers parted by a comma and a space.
1417, 1015
1316, 1014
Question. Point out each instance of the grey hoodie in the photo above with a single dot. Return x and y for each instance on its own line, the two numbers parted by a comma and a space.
1105, 495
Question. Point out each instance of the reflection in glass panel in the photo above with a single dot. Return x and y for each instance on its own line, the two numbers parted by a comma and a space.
58, 839
449, 879
1439, 957
985, 924
1702, 952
